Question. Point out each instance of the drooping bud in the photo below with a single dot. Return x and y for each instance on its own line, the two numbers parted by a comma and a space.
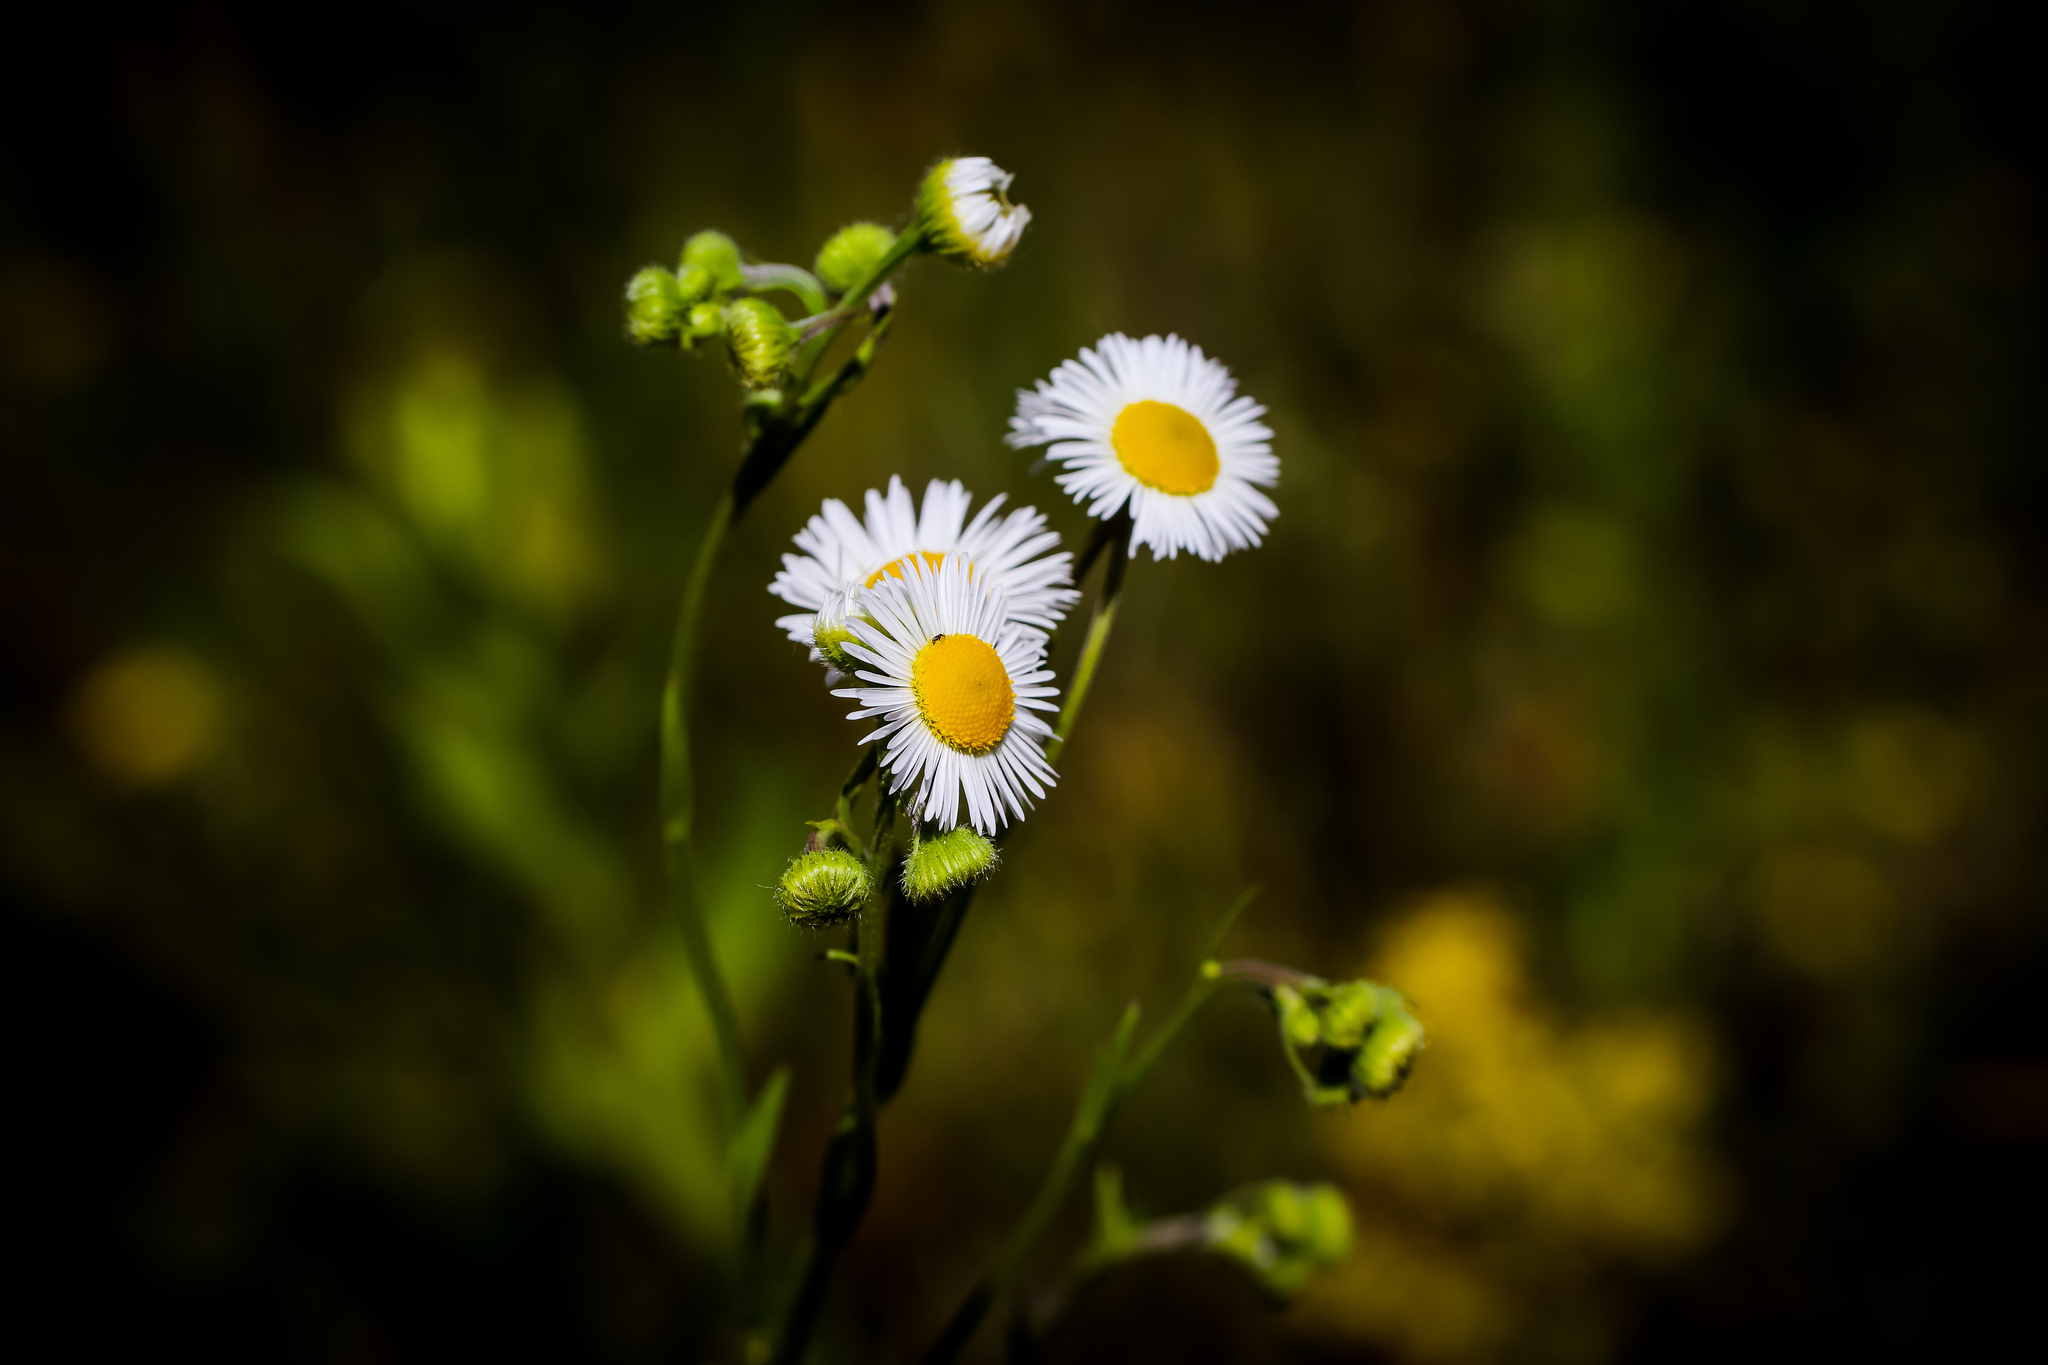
718, 256
964, 214
654, 307
955, 858
823, 887
760, 339
1282, 1233
1348, 1041
851, 254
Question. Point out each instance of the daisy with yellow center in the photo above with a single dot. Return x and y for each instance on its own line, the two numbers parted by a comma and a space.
1160, 427
1006, 555
958, 687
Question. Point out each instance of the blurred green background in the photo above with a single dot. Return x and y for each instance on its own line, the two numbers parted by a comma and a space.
1646, 671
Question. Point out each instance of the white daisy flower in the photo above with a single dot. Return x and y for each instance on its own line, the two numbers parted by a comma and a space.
966, 215
957, 687
1005, 554
1158, 425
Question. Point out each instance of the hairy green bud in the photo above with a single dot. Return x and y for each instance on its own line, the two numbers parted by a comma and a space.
760, 339
718, 256
851, 254
937, 866
654, 307
823, 887
695, 283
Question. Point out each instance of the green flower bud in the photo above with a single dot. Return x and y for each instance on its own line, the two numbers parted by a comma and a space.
1326, 1224
718, 256
963, 212
695, 283
823, 887
654, 307
1390, 1049
851, 254
1282, 1233
760, 340
936, 866
704, 322
1346, 1041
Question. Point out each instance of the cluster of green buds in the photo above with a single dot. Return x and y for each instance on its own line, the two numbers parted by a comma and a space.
1283, 1233
1346, 1041
961, 213
947, 862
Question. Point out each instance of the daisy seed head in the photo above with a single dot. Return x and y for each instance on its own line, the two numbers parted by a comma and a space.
823, 888
654, 307
851, 254
946, 863
760, 339
1158, 427
964, 212
718, 256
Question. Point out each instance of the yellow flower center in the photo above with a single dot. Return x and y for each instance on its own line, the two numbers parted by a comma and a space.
963, 692
896, 568
1166, 448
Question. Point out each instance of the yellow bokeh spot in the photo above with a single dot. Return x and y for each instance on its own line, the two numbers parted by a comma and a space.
1527, 1155
963, 692
896, 568
147, 717
1166, 448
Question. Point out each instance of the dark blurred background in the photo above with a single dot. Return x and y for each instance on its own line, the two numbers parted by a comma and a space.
1646, 670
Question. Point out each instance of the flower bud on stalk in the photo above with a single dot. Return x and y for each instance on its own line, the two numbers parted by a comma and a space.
760, 339
718, 256
1348, 1041
654, 307
937, 866
964, 214
851, 254
823, 888
1282, 1233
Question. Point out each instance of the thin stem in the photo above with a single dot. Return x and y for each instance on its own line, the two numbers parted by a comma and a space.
1111, 1083
1118, 548
678, 813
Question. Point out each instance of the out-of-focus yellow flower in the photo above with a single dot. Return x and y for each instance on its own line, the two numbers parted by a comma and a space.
1520, 1164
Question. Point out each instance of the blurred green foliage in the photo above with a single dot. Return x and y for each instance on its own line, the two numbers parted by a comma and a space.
1644, 674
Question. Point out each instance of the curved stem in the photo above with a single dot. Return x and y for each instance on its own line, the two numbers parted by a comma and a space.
1118, 548
678, 814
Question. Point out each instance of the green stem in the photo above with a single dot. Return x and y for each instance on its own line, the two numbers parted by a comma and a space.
847, 1181
1118, 549
1109, 1085
678, 813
